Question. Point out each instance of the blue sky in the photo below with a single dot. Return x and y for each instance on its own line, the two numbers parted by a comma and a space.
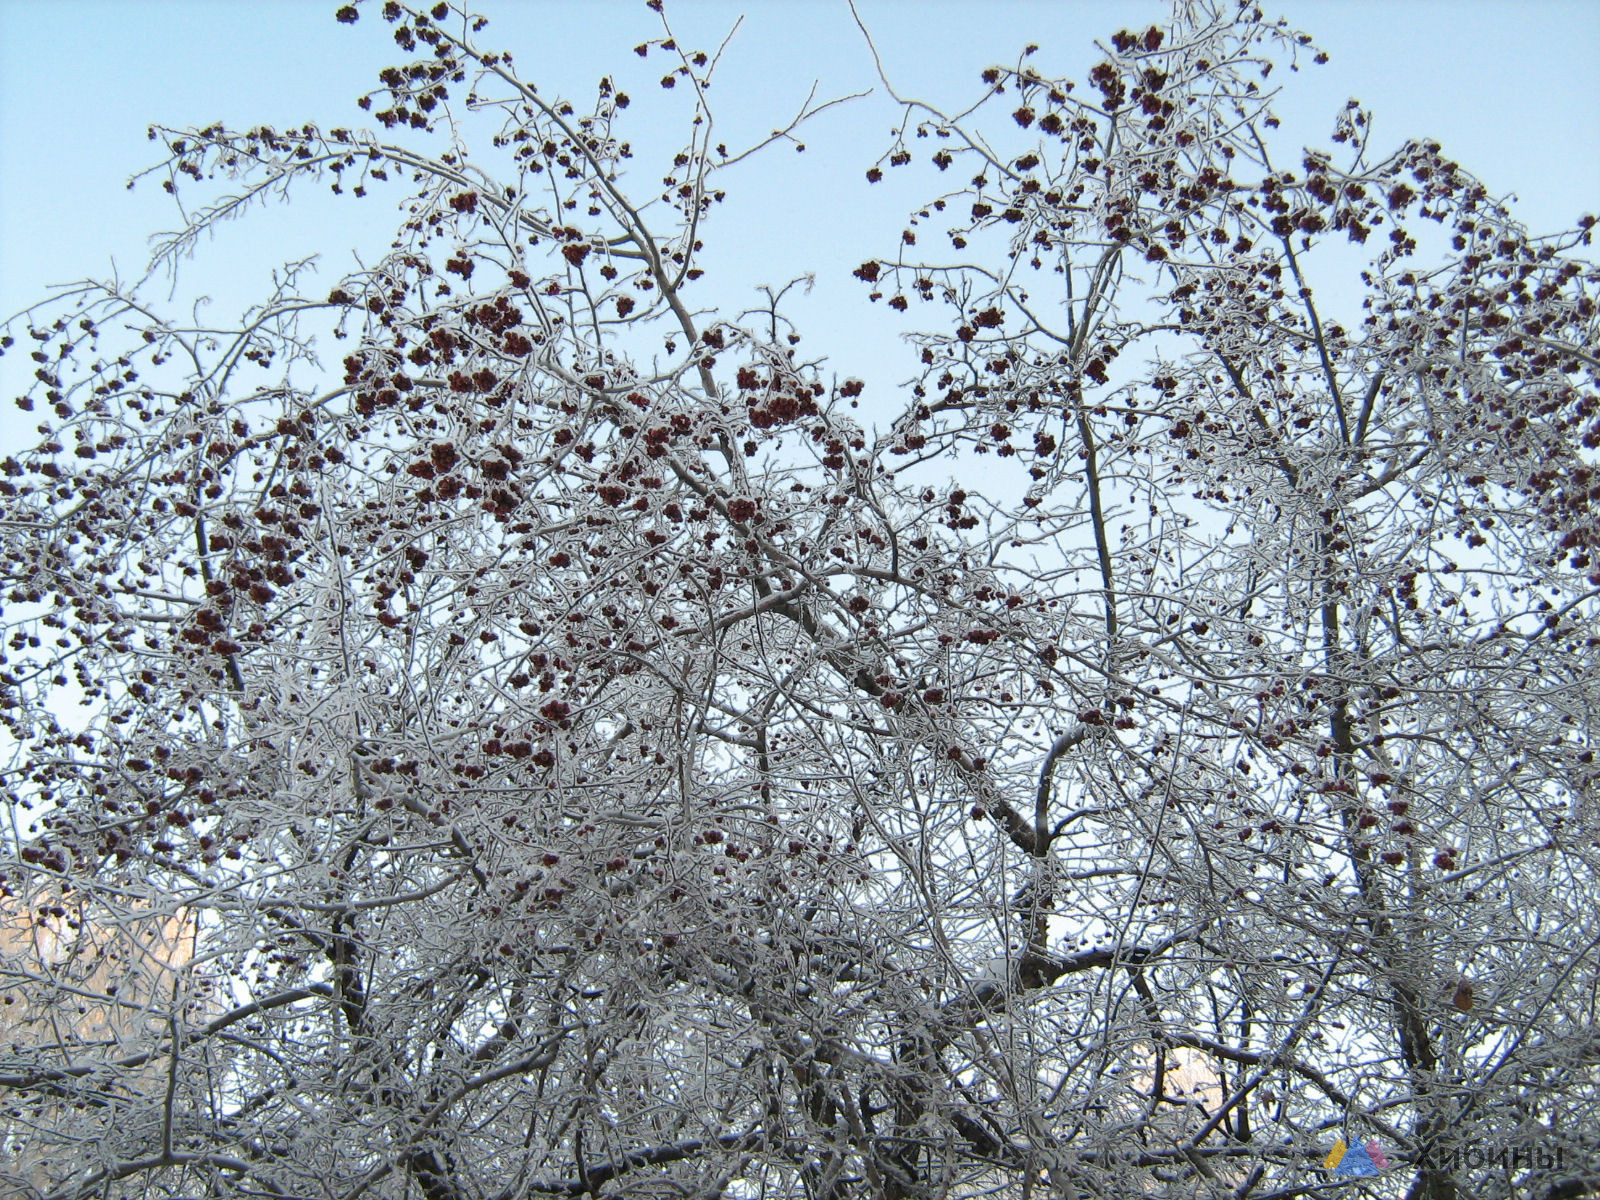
1509, 88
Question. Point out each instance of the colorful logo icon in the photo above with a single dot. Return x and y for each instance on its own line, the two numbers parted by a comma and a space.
1352, 1161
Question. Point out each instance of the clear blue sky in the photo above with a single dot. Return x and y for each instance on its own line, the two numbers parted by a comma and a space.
1510, 87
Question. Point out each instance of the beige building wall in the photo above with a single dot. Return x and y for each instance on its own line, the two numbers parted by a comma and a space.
80, 983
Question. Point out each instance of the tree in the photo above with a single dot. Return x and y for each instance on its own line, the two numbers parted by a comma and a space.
592, 762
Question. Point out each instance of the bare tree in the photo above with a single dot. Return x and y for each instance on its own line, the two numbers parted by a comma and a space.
591, 762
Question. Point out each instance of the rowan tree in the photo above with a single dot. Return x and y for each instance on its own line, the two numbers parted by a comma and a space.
587, 757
